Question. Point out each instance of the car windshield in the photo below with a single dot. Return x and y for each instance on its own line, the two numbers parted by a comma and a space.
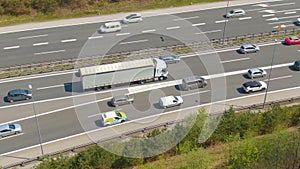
11, 126
129, 16
118, 114
176, 98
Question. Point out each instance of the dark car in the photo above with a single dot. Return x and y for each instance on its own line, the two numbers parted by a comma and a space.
170, 58
297, 65
121, 100
19, 94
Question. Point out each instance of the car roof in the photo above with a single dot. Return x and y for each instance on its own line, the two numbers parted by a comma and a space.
248, 44
18, 91
238, 9
251, 83
120, 97
298, 62
255, 69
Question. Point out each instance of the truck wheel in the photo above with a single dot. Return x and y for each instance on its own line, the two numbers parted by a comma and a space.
161, 78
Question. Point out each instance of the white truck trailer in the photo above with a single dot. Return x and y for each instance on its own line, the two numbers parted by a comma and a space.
135, 71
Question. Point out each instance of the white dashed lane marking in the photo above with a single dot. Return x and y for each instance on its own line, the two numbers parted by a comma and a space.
11, 47
245, 18
123, 34
198, 24
68, 40
40, 44
221, 21
95, 37
147, 31
174, 27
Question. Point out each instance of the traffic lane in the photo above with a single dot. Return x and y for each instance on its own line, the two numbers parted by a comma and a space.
281, 78
52, 127
24, 109
91, 120
233, 60
45, 87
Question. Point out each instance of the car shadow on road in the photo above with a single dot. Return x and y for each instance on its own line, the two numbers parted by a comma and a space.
5, 99
241, 90
73, 87
98, 123
246, 76
292, 68
157, 106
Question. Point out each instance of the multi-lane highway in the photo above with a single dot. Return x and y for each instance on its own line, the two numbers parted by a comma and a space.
33, 46
63, 110
57, 115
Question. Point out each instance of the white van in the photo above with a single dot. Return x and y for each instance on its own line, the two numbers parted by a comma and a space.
110, 27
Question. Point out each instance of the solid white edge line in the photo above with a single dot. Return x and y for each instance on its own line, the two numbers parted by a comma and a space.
30, 37
50, 52
48, 87
130, 42
170, 112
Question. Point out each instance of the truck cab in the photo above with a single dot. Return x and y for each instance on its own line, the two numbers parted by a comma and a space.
161, 69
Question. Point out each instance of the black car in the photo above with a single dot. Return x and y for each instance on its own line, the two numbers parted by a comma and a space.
19, 94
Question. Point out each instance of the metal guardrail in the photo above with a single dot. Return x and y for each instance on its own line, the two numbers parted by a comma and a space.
142, 130
69, 64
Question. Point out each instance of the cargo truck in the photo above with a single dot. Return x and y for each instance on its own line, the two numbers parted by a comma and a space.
135, 71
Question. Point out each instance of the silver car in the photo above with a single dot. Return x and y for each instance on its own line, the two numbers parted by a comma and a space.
256, 72
132, 18
170, 58
121, 100
249, 48
235, 13
10, 129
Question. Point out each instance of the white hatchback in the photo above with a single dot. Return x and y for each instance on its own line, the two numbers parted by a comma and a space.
170, 101
235, 13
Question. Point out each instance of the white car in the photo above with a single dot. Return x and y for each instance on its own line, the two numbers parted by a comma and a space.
256, 72
235, 13
254, 86
249, 48
10, 129
170, 101
132, 18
